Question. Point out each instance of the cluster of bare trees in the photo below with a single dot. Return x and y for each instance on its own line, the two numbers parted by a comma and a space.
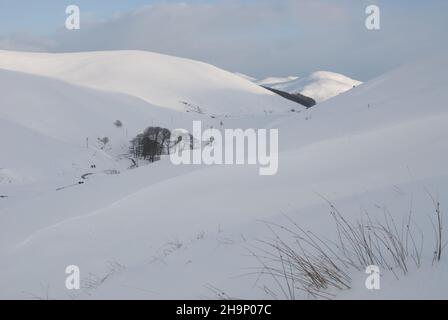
151, 144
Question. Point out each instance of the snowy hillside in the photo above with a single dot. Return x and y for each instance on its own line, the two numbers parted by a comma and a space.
320, 86
166, 81
245, 76
164, 231
271, 81
51, 129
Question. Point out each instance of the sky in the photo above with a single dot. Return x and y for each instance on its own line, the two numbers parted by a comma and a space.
257, 37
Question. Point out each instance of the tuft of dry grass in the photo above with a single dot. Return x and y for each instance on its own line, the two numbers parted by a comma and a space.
311, 264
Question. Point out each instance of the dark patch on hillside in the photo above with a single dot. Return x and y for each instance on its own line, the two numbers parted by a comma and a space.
296, 97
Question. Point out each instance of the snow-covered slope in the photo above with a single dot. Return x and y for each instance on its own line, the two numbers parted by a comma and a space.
164, 231
166, 81
271, 81
50, 128
245, 76
320, 86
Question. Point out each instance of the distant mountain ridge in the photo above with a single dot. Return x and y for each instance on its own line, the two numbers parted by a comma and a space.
320, 86
271, 81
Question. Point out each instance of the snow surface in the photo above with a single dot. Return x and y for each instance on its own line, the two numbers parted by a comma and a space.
245, 76
163, 231
270, 81
320, 86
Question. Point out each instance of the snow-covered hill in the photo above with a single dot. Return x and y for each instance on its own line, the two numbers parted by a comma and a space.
50, 128
320, 86
165, 231
166, 81
271, 81
245, 76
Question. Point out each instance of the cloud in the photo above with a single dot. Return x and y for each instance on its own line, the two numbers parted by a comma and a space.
264, 37
27, 42
248, 36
